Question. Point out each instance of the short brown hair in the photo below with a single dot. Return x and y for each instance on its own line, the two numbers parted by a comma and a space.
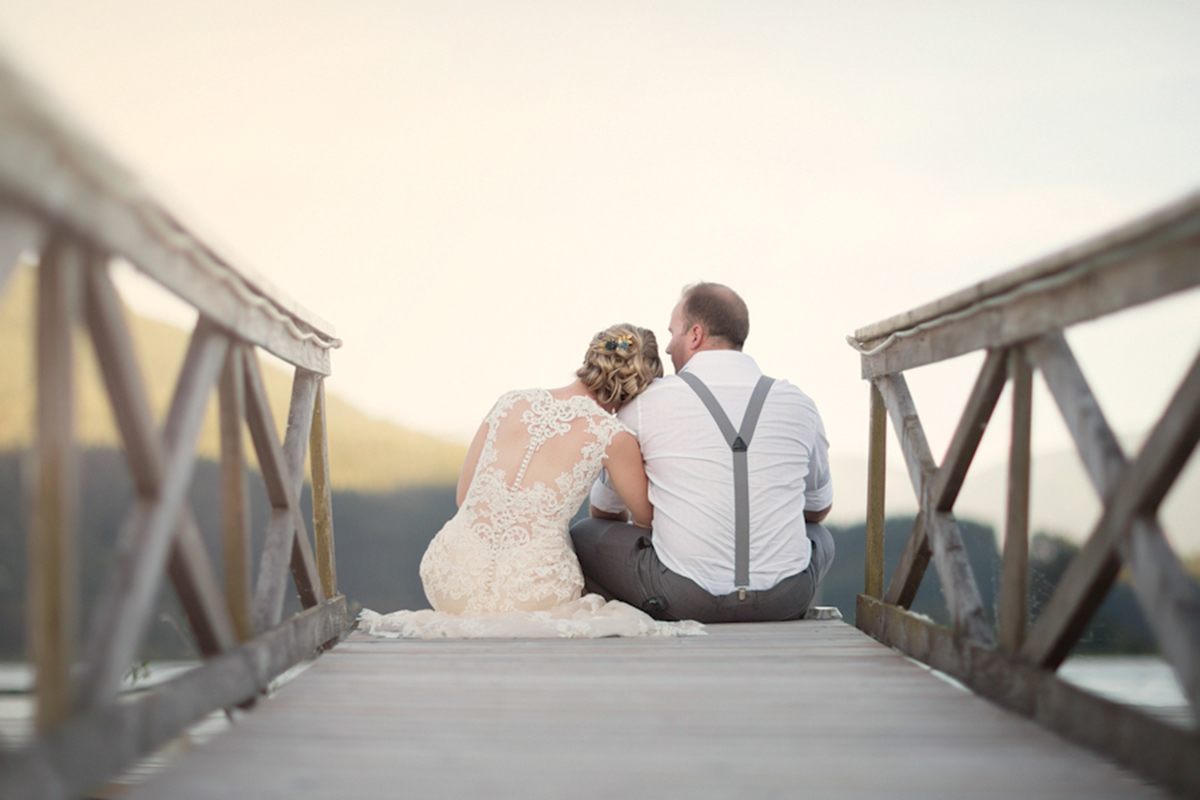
717, 309
620, 363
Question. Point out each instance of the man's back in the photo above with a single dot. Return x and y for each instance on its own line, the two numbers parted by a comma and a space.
690, 468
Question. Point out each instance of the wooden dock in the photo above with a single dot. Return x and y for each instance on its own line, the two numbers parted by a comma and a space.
812, 709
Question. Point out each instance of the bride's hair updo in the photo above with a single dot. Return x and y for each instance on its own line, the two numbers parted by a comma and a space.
620, 363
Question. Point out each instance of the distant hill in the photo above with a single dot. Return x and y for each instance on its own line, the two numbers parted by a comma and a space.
1062, 501
366, 454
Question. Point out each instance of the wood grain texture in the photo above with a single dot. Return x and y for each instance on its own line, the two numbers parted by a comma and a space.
235, 497
104, 740
122, 612
1014, 579
971, 427
876, 485
804, 709
943, 536
322, 497
910, 569
1156, 749
53, 545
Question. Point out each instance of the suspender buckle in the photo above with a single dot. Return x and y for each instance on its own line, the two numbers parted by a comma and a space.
741, 593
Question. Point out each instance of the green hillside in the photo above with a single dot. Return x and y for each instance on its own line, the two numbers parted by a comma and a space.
366, 454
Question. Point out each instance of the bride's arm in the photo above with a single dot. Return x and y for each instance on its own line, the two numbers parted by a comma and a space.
471, 462
628, 476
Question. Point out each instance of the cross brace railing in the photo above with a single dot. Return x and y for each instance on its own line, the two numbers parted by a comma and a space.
68, 207
1018, 319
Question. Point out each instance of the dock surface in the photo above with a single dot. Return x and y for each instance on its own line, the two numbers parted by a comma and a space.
800, 709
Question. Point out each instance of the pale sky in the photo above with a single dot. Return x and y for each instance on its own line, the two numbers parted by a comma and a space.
468, 191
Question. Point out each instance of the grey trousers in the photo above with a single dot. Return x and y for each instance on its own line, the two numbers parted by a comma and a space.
619, 562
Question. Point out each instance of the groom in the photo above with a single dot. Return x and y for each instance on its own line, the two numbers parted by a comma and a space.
739, 478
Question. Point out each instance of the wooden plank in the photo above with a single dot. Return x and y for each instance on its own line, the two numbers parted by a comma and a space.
982, 401
262, 432
122, 378
1014, 580
19, 233
1136, 491
199, 593
53, 546
1101, 288
271, 587
910, 570
876, 479
1158, 750
909, 431
295, 448
122, 611
54, 173
945, 540
323, 497
104, 740
235, 498
718, 716
1172, 223
1102, 455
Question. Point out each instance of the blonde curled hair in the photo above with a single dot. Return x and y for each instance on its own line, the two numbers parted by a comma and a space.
620, 363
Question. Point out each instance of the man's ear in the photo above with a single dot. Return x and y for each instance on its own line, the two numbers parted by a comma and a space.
696, 337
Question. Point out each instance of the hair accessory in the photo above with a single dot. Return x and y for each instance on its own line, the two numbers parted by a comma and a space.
620, 343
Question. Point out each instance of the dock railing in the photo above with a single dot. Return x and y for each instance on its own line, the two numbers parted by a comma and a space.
1018, 318
70, 206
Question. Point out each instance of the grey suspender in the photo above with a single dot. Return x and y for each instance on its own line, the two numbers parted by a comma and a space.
739, 443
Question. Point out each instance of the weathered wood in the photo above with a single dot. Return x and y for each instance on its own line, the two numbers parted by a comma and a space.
1136, 490
911, 435
122, 611
1175, 222
322, 497
718, 716
235, 498
54, 569
876, 479
982, 401
104, 740
945, 540
295, 448
19, 232
122, 378
270, 588
50, 171
1158, 750
199, 593
1014, 580
287, 534
910, 570
1101, 288
1102, 455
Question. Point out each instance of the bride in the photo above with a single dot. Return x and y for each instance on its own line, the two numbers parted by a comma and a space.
504, 566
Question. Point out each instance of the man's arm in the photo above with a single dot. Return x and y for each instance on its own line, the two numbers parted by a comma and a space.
817, 516
597, 513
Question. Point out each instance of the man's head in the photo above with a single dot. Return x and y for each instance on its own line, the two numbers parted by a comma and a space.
709, 316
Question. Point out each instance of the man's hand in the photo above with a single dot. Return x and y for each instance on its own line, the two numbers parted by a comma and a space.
817, 516
597, 513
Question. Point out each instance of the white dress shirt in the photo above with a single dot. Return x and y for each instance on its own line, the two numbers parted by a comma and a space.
690, 467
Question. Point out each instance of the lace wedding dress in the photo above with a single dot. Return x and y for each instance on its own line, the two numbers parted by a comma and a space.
504, 566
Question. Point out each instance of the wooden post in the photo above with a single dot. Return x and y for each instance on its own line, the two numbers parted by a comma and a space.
1015, 571
323, 499
53, 560
235, 501
876, 477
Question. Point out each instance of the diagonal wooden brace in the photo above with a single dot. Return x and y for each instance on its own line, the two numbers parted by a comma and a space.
945, 540
147, 537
